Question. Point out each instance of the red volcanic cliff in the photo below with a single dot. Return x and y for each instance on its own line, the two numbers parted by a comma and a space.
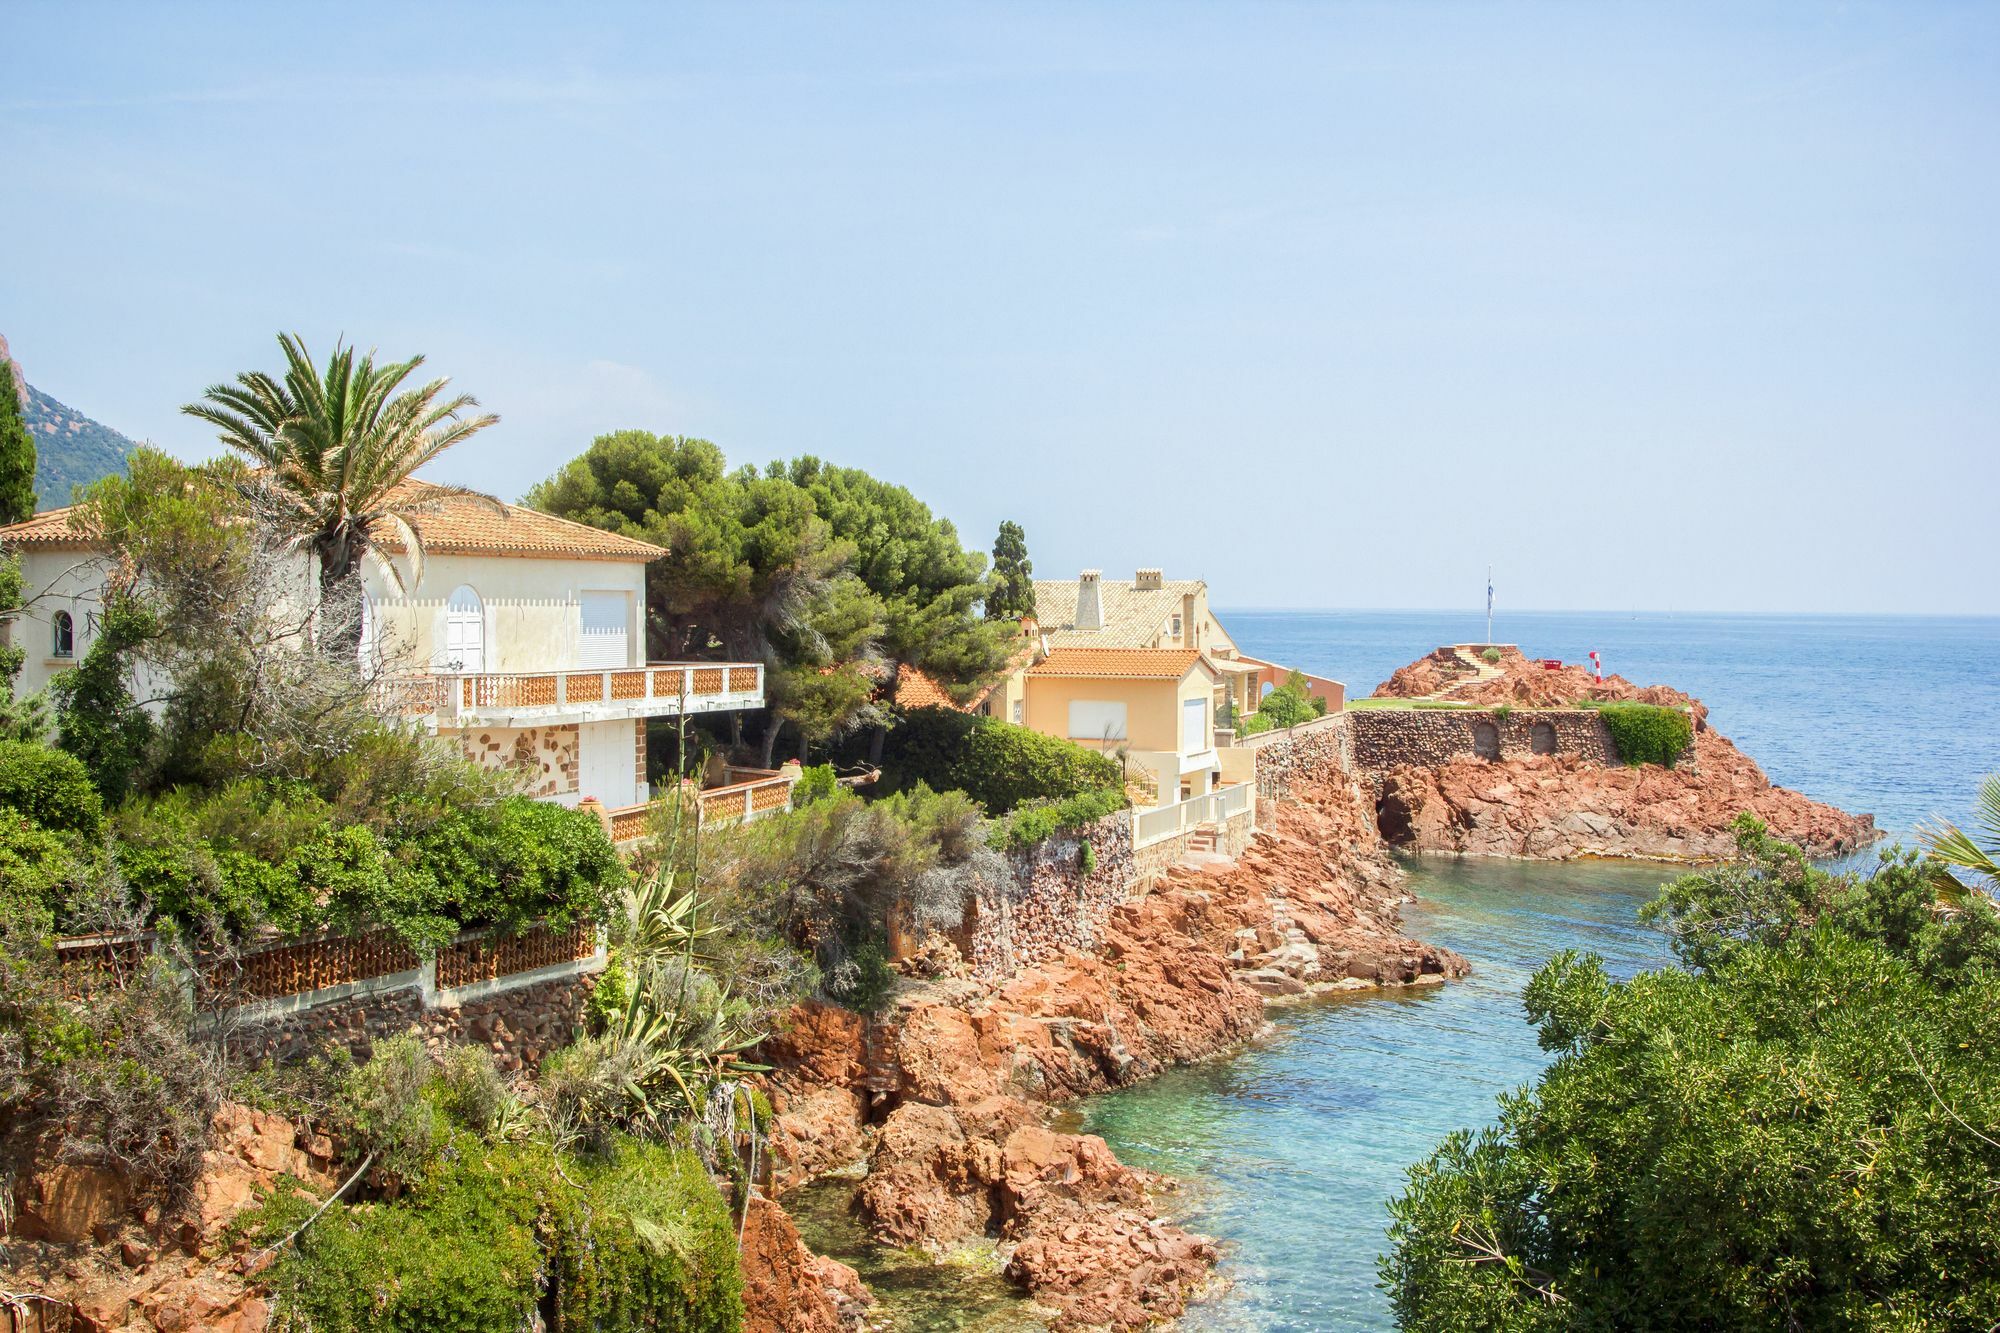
1560, 806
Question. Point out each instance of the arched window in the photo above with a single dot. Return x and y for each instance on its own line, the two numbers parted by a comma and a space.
1542, 738
65, 635
1486, 740
465, 630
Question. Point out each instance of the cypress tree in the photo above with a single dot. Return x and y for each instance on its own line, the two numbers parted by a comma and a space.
1011, 594
17, 452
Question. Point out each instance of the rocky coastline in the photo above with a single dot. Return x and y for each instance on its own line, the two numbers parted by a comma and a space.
1558, 807
948, 1098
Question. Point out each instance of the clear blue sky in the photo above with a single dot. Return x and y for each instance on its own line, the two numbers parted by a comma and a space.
1673, 307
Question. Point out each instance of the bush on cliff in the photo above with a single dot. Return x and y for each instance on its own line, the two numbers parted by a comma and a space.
49, 787
1802, 1131
996, 763
1042, 820
1647, 733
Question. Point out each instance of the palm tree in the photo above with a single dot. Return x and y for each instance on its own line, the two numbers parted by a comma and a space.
1958, 850
333, 452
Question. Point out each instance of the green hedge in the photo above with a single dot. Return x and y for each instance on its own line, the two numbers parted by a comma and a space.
258, 853
996, 763
49, 787
1039, 821
1647, 733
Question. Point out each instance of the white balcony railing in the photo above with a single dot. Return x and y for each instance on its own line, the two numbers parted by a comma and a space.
659, 689
1167, 821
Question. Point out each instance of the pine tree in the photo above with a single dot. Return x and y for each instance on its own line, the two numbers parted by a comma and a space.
17, 452
1011, 595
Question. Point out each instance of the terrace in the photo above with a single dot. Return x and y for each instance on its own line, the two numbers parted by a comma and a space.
524, 699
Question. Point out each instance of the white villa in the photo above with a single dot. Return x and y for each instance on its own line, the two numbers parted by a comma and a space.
524, 640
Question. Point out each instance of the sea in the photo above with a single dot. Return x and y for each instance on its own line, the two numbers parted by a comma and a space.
1290, 1151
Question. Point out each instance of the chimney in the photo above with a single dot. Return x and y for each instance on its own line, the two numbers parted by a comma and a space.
1148, 580
1089, 602
1190, 632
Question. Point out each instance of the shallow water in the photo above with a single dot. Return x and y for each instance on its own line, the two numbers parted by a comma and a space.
1290, 1151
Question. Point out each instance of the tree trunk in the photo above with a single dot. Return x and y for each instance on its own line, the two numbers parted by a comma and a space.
875, 739
338, 615
802, 747
777, 725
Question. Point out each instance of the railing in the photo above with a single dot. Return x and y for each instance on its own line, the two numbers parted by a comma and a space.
488, 957
696, 686
767, 792
1167, 821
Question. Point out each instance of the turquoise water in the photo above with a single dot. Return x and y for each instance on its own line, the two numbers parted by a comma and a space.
1290, 1150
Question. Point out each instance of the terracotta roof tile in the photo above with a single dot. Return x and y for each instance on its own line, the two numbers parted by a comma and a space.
463, 525
1128, 663
49, 530
455, 525
1134, 617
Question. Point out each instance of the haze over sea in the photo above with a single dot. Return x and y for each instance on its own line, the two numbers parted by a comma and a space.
1291, 1150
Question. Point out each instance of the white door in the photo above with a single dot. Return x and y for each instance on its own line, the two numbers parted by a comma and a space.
608, 754
1194, 726
602, 642
464, 631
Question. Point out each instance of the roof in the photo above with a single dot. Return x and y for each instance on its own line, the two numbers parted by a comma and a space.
50, 530
914, 689
458, 524
449, 522
1133, 617
1118, 663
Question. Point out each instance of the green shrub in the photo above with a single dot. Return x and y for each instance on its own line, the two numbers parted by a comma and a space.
1491, 656
1647, 733
97, 719
816, 783
49, 787
1291, 704
40, 872
1253, 724
497, 1239
864, 981
1045, 819
608, 997
996, 763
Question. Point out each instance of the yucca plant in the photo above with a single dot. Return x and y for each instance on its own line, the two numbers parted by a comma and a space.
1956, 850
333, 450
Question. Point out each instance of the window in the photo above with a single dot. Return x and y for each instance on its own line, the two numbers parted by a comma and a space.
1174, 627
64, 644
1019, 705
1096, 720
465, 631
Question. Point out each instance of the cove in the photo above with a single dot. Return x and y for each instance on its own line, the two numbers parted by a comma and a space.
1289, 1151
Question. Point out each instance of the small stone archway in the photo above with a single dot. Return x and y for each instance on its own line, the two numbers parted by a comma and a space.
1485, 740
1542, 738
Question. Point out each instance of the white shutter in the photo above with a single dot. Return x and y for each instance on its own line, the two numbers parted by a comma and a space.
1096, 720
1194, 726
603, 641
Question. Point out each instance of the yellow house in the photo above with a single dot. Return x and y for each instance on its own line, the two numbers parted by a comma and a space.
524, 640
1154, 707
1150, 610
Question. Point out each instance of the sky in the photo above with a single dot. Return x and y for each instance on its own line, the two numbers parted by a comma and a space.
1678, 307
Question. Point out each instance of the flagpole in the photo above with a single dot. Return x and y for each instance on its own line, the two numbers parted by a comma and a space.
1489, 605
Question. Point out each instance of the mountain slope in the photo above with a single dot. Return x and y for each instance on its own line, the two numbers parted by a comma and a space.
71, 449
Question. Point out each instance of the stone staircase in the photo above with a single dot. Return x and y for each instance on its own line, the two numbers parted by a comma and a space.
1482, 671
1202, 838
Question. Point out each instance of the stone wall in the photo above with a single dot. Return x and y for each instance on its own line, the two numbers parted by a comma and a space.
1386, 738
1313, 748
520, 1024
1049, 903
549, 757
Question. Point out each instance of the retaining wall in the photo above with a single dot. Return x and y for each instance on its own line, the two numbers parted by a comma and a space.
1049, 903
1387, 738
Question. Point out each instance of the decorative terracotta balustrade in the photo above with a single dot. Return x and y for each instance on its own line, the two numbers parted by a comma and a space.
310, 965
660, 689
490, 957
